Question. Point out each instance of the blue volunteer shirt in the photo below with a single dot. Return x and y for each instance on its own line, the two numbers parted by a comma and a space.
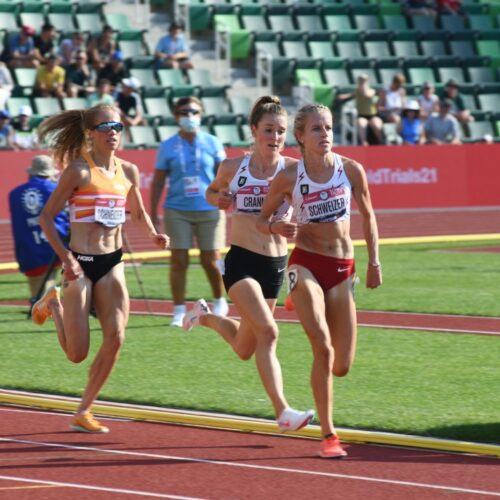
30, 244
191, 168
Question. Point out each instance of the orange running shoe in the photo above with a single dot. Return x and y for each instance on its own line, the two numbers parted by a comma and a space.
41, 311
331, 448
85, 422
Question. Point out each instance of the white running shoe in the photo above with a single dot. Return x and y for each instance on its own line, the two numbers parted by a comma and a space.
179, 313
293, 420
192, 318
220, 307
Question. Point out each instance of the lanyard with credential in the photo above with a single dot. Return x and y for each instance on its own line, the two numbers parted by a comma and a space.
182, 157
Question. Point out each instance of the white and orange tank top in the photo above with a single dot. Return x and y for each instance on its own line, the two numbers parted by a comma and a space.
249, 192
103, 199
322, 202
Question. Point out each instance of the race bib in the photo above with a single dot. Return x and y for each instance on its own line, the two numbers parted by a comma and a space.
251, 198
192, 186
110, 212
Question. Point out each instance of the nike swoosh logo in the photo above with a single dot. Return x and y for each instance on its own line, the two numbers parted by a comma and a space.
342, 269
281, 270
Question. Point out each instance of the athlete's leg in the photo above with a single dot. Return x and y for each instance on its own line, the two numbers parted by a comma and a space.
309, 303
257, 333
341, 318
112, 307
72, 321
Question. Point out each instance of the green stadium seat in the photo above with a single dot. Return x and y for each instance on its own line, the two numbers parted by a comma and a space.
61, 21
462, 48
90, 7
338, 23
376, 49
395, 22
295, 49
88, 21
166, 131
132, 48
488, 102
14, 103
358, 68
419, 75
142, 136
240, 105
281, 23
349, 50
311, 77
146, 76
200, 77
310, 24
451, 73
173, 80
267, 43
480, 74
74, 103
405, 48
254, 22
433, 48
481, 22
424, 24
365, 22
156, 107
477, 129
452, 23
488, 48
229, 134
119, 21
25, 79
226, 22
46, 106
33, 19
215, 106
337, 77
321, 49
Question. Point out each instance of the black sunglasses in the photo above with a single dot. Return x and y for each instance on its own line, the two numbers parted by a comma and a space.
105, 127
186, 112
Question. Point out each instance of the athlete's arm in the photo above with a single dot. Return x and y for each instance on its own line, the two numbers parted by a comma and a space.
71, 178
217, 192
361, 193
279, 189
137, 210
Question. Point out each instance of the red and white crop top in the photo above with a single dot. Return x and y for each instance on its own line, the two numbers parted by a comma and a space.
327, 202
103, 199
249, 192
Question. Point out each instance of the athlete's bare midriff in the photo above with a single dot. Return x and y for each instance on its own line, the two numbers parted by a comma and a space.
94, 238
328, 238
244, 234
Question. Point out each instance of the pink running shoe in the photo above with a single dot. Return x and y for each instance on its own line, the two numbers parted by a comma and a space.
331, 448
192, 318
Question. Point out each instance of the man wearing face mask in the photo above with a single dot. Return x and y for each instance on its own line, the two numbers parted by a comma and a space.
190, 159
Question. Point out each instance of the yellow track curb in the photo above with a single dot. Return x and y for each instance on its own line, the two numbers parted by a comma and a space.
194, 252
242, 424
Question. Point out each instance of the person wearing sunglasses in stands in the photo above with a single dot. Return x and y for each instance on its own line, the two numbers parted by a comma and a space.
98, 187
190, 158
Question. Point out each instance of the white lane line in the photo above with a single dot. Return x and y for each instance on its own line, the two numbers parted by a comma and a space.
99, 488
261, 467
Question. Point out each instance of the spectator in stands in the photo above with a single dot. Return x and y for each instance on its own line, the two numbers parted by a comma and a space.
420, 8
25, 134
411, 128
190, 158
50, 78
102, 94
78, 81
114, 70
450, 7
458, 110
172, 50
442, 127
129, 104
392, 100
101, 47
20, 49
6, 84
44, 42
69, 47
33, 253
428, 100
6, 131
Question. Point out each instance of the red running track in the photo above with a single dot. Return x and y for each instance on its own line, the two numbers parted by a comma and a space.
40, 458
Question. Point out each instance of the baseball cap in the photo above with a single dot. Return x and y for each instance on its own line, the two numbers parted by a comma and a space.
4, 114
28, 30
42, 165
132, 82
25, 110
451, 83
117, 55
412, 106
